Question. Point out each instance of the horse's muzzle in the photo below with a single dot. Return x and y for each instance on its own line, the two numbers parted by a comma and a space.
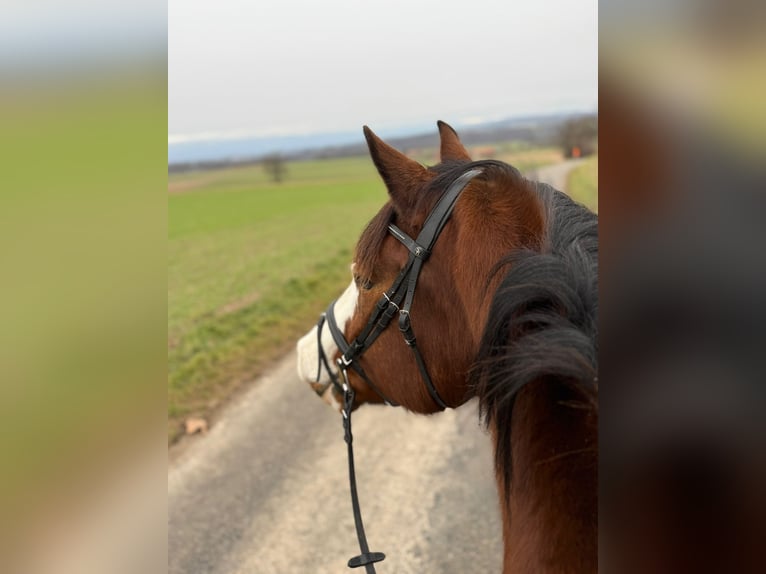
309, 371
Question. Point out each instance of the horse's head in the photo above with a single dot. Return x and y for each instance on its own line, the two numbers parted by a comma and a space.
497, 211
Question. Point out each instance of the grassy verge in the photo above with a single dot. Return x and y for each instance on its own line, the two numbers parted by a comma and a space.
583, 183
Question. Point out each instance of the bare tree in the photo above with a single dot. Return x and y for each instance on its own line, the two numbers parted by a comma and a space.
275, 166
578, 137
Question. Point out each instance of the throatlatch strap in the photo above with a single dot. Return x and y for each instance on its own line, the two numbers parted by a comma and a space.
405, 326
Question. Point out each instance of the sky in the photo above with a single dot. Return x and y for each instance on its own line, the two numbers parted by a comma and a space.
43, 35
265, 68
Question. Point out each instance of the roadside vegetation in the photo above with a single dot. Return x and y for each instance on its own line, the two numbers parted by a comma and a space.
252, 262
583, 183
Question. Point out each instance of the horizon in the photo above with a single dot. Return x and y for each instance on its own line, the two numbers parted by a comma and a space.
463, 121
235, 146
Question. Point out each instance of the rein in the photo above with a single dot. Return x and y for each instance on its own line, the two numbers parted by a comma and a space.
397, 299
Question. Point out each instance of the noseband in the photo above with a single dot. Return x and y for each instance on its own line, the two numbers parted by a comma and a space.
398, 299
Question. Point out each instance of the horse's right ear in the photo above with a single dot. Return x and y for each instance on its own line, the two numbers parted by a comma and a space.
451, 147
403, 176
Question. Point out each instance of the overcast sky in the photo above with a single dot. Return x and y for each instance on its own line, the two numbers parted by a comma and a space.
244, 68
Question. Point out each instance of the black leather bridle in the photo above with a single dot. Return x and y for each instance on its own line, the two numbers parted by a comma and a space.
397, 299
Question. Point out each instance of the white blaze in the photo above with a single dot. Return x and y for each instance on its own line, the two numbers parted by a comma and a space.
308, 352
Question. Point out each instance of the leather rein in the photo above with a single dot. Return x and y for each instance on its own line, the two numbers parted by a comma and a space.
397, 299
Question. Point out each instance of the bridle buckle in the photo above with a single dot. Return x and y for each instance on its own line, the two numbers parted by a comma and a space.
390, 302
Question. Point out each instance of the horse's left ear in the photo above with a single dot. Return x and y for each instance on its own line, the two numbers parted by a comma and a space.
403, 176
451, 148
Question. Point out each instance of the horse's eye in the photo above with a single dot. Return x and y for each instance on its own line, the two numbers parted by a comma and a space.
366, 285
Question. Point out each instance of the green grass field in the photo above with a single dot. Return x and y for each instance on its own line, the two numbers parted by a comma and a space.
252, 263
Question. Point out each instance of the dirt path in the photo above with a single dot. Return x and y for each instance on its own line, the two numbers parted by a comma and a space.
556, 174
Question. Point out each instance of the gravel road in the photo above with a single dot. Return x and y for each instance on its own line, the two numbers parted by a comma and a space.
555, 175
266, 491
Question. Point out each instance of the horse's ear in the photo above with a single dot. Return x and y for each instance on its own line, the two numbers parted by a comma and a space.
403, 176
451, 148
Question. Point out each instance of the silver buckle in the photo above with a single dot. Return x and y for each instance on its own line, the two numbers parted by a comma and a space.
390, 302
344, 372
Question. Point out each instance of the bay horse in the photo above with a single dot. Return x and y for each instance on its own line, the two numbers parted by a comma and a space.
504, 301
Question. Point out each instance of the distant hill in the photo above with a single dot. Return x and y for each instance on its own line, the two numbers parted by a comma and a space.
536, 130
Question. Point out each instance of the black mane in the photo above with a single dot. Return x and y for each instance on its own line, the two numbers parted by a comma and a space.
542, 323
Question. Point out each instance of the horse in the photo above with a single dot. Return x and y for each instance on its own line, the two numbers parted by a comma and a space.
504, 301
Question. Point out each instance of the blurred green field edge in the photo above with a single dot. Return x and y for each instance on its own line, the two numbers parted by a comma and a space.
582, 183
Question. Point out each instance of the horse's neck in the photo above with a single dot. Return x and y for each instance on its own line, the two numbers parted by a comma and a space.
550, 518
